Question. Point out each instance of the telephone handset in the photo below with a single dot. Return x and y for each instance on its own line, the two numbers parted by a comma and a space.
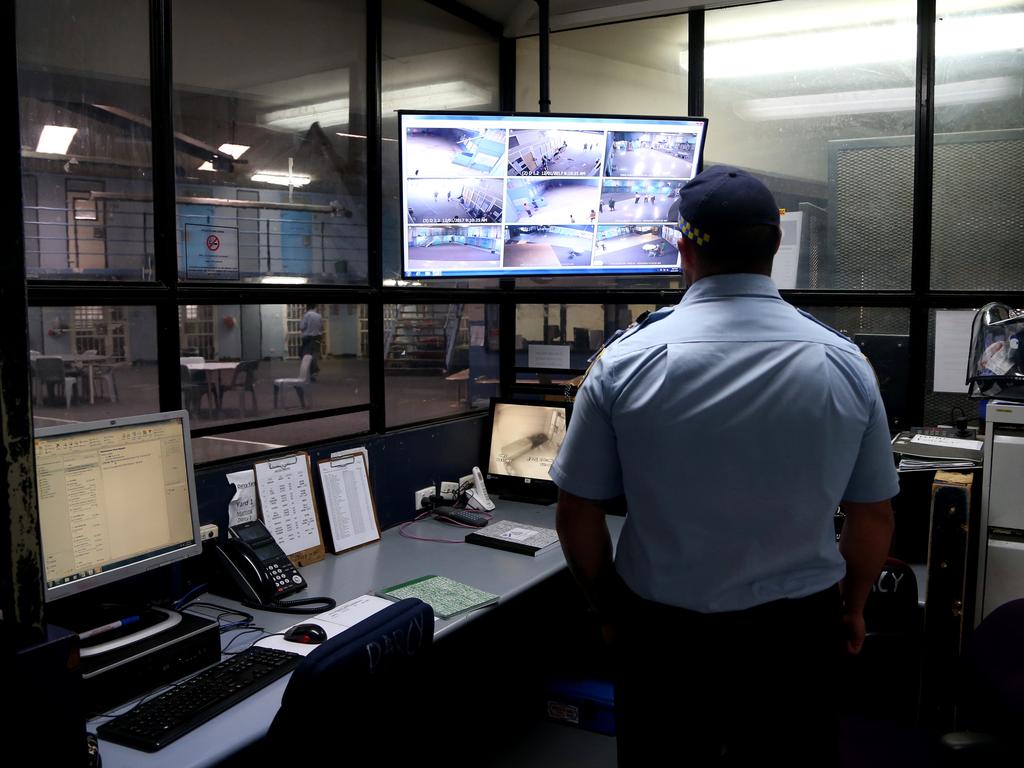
477, 496
258, 566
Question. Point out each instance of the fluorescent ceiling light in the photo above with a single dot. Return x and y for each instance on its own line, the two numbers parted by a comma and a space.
880, 100
858, 46
235, 150
360, 136
283, 179
55, 139
207, 166
284, 280
439, 96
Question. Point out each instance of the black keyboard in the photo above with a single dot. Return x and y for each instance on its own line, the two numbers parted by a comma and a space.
154, 724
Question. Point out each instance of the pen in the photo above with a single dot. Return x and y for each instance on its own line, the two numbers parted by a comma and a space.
107, 627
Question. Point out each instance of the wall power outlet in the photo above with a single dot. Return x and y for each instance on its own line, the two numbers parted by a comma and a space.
448, 489
422, 494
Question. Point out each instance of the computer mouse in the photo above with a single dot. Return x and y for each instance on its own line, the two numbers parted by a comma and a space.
310, 634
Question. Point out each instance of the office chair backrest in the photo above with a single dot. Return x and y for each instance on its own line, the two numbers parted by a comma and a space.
368, 681
307, 361
892, 606
993, 672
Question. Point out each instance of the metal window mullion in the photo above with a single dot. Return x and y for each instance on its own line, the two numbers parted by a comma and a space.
921, 264
165, 250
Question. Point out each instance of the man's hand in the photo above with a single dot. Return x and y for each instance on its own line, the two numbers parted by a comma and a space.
853, 631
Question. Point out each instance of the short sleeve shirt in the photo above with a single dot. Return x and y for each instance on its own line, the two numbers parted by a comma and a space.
734, 427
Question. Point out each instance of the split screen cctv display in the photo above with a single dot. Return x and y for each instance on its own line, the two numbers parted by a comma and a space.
538, 195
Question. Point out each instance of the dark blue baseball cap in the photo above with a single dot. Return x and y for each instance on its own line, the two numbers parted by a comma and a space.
721, 200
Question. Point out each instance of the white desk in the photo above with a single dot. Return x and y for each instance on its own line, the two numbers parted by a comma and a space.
392, 560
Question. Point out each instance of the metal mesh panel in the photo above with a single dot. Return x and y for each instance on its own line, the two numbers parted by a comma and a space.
978, 215
872, 215
938, 405
853, 320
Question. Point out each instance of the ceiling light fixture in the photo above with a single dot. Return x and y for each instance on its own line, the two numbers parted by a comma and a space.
55, 139
235, 150
879, 100
281, 179
454, 94
857, 46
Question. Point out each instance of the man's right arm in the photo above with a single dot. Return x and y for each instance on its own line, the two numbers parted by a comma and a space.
864, 544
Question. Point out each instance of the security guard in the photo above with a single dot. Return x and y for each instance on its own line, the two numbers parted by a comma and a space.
729, 431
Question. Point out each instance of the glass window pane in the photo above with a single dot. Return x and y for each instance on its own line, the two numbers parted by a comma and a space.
439, 359
938, 406
240, 362
92, 362
978, 202
583, 328
246, 441
269, 113
84, 99
632, 68
431, 60
882, 333
817, 99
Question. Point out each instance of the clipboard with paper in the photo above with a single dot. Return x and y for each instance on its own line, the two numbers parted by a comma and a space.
285, 486
351, 510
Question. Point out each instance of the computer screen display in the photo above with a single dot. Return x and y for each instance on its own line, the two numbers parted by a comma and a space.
116, 498
525, 439
507, 195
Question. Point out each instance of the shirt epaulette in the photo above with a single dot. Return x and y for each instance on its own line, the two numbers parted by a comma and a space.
826, 326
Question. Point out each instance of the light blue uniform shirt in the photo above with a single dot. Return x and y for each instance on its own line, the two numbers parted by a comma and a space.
734, 427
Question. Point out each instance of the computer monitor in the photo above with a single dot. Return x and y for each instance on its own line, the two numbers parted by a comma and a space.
116, 498
525, 438
489, 194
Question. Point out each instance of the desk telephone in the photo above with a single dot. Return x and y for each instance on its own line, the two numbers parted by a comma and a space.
258, 567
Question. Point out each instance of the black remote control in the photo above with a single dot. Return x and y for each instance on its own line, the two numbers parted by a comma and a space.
462, 516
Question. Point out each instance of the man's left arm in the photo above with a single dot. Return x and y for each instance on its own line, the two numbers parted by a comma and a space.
587, 544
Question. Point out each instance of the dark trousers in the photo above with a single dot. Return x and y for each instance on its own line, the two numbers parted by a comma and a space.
745, 688
311, 346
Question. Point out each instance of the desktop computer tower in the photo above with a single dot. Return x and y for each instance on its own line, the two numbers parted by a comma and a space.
46, 715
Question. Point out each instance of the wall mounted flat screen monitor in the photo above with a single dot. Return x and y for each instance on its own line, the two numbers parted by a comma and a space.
116, 498
524, 441
543, 194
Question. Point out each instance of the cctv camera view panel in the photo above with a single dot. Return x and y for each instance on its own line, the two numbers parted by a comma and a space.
525, 439
115, 499
505, 195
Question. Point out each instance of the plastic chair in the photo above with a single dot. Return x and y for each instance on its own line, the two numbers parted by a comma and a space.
51, 375
193, 390
372, 678
301, 384
243, 380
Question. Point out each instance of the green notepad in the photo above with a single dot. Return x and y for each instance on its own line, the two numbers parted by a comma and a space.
448, 598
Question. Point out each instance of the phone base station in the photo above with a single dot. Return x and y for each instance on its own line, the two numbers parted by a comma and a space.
117, 676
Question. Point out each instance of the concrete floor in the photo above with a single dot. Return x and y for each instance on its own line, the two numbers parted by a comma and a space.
629, 210
428, 210
570, 204
539, 249
432, 157
649, 163
629, 250
452, 256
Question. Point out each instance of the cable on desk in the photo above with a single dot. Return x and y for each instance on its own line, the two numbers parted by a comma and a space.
181, 602
246, 618
424, 515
